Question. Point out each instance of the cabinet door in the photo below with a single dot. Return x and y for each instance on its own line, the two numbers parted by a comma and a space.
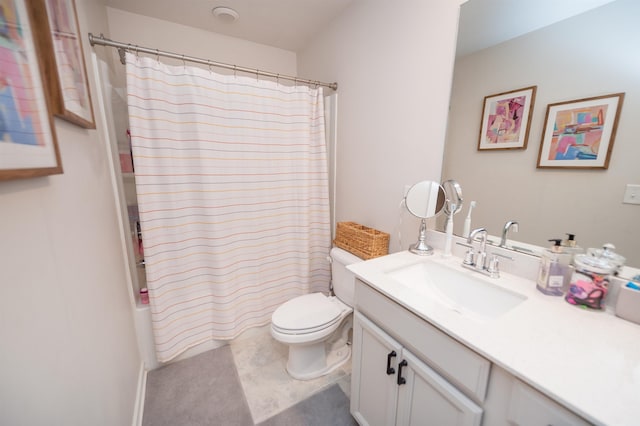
531, 408
373, 387
427, 399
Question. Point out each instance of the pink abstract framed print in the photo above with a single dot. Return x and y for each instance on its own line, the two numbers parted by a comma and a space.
580, 133
28, 145
506, 119
58, 32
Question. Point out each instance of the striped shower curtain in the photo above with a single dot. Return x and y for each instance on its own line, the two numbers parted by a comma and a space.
231, 176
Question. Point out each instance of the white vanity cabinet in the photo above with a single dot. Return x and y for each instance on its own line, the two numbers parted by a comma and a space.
391, 386
405, 371
394, 377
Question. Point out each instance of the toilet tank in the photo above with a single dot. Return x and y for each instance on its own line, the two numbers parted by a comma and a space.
343, 280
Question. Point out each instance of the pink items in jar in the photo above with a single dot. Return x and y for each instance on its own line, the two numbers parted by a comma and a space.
590, 280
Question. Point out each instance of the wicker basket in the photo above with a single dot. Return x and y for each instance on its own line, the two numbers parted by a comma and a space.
360, 240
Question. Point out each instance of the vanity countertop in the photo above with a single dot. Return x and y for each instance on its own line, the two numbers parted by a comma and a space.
589, 361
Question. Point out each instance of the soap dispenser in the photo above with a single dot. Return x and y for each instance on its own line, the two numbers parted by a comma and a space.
570, 241
570, 246
555, 270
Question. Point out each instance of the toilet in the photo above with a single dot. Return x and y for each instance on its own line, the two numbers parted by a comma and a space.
316, 327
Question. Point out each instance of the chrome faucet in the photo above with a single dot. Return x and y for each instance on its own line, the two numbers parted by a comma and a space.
478, 261
510, 224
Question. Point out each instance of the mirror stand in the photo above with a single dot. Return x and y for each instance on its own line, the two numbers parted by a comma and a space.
421, 247
424, 200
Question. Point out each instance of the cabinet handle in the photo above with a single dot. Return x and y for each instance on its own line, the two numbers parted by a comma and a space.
390, 369
401, 380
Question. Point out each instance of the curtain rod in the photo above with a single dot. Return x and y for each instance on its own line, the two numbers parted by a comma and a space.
122, 47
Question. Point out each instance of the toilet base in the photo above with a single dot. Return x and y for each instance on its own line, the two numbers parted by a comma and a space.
307, 362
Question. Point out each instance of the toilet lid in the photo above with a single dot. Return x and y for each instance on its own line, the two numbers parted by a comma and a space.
311, 311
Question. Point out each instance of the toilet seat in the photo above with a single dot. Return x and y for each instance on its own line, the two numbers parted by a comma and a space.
308, 314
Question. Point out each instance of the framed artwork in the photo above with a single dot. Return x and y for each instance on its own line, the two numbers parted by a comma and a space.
28, 145
59, 33
580, 133
506, 119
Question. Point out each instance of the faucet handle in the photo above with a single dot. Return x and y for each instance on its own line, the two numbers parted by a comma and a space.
469, 255
494, 269
494, 264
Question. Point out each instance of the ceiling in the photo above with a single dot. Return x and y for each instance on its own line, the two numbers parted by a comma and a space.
290, 24
287, 24
485, 23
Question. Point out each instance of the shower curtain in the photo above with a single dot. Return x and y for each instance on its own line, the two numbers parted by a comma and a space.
231, 176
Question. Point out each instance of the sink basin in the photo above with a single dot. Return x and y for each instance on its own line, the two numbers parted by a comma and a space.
460, 291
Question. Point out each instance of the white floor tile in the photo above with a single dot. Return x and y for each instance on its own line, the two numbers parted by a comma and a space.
261, 364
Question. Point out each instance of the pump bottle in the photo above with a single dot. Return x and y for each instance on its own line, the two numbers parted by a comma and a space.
555, 272
570, 246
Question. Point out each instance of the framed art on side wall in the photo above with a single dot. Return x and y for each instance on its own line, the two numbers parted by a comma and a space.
28, 145
580, 133
506, 119
59, 32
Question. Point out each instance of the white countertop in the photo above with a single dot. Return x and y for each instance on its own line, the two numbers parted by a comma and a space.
588, 361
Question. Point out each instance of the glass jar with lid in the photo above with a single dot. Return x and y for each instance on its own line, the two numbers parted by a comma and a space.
590, 280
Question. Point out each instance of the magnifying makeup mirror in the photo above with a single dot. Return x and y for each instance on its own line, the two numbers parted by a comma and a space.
453, 193
425, 200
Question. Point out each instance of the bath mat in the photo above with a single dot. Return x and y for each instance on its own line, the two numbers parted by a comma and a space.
202, 390
328, 407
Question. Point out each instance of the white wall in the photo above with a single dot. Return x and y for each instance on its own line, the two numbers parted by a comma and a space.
588, 55
158, 34
69, 354
393, 63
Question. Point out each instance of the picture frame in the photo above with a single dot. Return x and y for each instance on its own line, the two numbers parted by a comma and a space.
59, 32
580, 133
29, 147
506, 119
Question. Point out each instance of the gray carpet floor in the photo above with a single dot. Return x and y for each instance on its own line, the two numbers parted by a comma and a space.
202, 390
205, 390
327, 408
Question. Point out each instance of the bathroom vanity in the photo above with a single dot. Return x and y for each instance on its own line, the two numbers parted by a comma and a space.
434, 343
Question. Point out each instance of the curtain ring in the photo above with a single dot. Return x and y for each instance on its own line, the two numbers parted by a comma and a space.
137, 51
158, 55
277, 78
235, 68
211, 71
257, 73
184, 64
